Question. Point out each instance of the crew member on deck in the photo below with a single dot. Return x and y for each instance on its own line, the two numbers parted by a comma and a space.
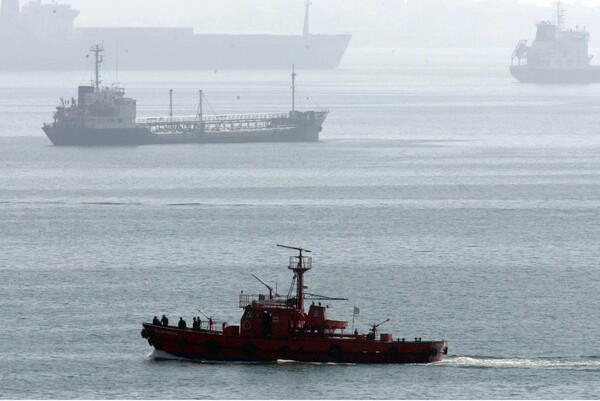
164, 321
155, 321
182, 323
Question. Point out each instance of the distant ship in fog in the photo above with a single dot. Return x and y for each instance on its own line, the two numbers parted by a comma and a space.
557, 55
42, 37
103, 116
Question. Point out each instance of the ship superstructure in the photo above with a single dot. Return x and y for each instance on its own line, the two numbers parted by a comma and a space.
103, 116
557, 55
42, 36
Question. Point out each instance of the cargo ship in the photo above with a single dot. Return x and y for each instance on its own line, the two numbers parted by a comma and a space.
557, 55
275, 327
103, 116
42, 36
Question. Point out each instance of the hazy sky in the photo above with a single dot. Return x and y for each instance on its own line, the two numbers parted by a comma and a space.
171, 12
373, 23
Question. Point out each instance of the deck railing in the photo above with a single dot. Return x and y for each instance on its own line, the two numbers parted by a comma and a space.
219, 118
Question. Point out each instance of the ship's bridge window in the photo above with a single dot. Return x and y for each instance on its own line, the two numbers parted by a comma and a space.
249, 314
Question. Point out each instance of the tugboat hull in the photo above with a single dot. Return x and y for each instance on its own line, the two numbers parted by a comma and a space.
528, 74
217, 346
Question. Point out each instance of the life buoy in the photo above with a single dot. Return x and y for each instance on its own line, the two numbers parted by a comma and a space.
247, 325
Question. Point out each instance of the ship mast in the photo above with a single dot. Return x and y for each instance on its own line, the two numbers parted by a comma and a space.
200, 106
299, 264
293, 90
305, 32
560, 16
98, 58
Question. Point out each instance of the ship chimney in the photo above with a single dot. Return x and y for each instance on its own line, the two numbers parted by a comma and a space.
305, 32
10, 13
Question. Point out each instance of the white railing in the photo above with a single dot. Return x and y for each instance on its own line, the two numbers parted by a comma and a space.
210, 118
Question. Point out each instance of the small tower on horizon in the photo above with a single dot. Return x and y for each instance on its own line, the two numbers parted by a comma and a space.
10, 15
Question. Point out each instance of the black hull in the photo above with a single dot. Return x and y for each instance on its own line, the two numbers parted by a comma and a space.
73, 136
555, 76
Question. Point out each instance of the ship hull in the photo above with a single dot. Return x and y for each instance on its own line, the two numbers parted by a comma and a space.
528, 74
216, 346
307, 131
176, 49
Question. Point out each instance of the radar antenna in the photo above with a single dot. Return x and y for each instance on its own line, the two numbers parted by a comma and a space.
295, 248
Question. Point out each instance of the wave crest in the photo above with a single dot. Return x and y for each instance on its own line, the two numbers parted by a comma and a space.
550, 362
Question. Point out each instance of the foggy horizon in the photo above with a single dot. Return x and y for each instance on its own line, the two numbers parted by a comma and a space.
435, 23
444, 173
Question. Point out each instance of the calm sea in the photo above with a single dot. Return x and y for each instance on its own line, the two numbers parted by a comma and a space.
443, 195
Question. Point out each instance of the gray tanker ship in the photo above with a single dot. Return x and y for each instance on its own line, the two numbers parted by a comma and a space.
103, 116
42, 36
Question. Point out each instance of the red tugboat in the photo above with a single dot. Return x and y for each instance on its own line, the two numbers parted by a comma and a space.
275, 327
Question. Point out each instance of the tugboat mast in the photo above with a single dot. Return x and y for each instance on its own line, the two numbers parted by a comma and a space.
98, 59
299, 265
